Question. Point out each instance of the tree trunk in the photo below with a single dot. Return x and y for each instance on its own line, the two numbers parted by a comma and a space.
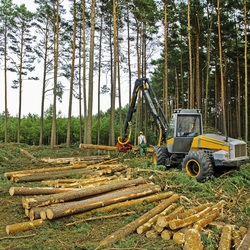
226, 238
191, 84
129, 203
146, 226
23, 226
56, 54
46, 200
101, 200
223, 96
179, 223
163, 220
43, 170
91, 74
72, 76
51, 175
192, 240
245, 243
246, 70
129, 228
166, 234
165, 74
38, 190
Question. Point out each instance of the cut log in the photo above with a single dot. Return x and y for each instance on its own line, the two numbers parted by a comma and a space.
179, 236
163, 220
84, 182
192, 240
129, 228
23, 226
245, 243
101, 200
206, 220
158, 228
108, 148
43, 170
45, 200
236, 238
193, 210
146, 226
226, 238
94, 158
38, 190
101, 217
124, 204
166, 234
50, 175
152, 234
179, 223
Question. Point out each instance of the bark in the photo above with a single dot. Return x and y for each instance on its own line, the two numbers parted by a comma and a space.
101, 217
226, 238
129, 228
192, 240
236, 238
206, 220
43, 170
45, 200
179, 223
101, 200
59, 183
129, 203
77, 159
146, 226
38, 190
152, 234
34, 213
245, 243
166, 234
23, 226
163, 221
158, 228
50, 175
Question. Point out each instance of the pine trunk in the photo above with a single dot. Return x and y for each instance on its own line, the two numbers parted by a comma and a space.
46, 200
101, 200
129, 228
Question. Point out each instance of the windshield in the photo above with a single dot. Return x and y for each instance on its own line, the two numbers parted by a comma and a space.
188, 125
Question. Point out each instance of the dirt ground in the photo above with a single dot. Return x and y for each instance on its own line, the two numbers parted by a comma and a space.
231, 185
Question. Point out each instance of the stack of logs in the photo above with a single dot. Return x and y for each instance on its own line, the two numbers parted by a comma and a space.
184, 227
116, 189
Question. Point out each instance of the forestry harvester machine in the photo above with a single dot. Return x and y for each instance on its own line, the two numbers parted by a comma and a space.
181, 141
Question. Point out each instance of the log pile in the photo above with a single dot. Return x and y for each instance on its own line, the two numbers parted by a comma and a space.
66, 196
79, 197
185, 227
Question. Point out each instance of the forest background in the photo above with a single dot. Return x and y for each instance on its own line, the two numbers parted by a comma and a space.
194, 52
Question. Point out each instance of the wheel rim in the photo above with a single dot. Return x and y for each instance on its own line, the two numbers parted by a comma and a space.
193, 168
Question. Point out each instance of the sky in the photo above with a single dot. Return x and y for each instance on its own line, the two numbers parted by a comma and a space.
31, 93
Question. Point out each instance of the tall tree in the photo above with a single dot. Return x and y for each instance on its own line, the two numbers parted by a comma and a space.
91, 74
191, 83
43, 50
56, 55
114, 78
221, 73
165, 74
21, 46
72, 74
246, 70
6, 16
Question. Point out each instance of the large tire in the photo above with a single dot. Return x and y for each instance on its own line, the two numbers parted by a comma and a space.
198, 165
160, 155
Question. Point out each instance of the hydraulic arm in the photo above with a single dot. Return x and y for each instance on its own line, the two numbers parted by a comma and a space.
153, 105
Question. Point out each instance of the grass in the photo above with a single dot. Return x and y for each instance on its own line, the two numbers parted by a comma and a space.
231, 185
